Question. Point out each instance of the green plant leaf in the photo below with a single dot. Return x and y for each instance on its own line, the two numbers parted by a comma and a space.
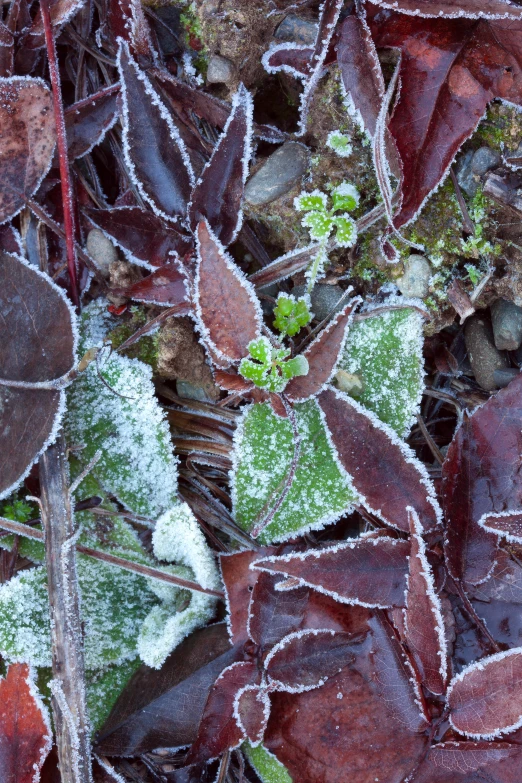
264, 449
345, 196
294, 367
346, 231
339, 143
385, 352
319, 224
316, 200
291, 314
103, 688
267, 766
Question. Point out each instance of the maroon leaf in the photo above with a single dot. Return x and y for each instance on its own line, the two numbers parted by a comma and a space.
506, 524
289, 58
485, 699
60, 11
228, 310
156, 155
6, 51
10, 240
424, 626
239, 580
468, 762
166, 286
126, 21
322, 356
473, 9
219, 192
306, 659
252, 709
219, 729
87, 121
28, 136
368, 572
360, 725
273, 614
25, 733
145, 239
383, 470
481, 477
450, 70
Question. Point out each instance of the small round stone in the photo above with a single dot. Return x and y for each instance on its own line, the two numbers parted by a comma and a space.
101, 250
415, 281
220, 70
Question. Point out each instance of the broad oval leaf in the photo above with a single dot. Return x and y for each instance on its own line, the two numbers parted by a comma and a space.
369, 572
322, 356
252, 709
485, 699
506, 524
274, 613
25, 731
28, 135
167, 286
481, 476
239, 580
227, 307
219, 191
467, 762
384, 471
156, 156
87, 121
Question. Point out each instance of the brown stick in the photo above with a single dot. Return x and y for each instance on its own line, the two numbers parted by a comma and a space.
68, 687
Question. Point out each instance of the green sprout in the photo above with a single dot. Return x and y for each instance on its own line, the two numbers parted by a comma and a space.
339, 143
269, 367
291, 314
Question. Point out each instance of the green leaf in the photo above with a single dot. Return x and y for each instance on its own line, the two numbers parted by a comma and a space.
319, 224
267, 766
294, 367
345, 196
103, 688
261, 350
339, 143
291, 314
264, 449
316, 200
346, 233
385, 352
253, 371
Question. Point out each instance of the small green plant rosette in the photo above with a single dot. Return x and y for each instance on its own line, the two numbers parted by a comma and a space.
340, 143
291, 314
345, 196
268, 369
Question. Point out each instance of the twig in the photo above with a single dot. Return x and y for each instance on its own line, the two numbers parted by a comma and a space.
223, 767
429, 440
127, 565
467, 223
61, 138
68, 686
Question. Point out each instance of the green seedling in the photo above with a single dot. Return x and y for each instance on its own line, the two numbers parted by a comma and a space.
269, 368
291, 314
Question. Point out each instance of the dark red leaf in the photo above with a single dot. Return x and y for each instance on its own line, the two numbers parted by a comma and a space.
126, 20
493, 9
383, 470
360, 725
273, 614
322, 356
60, 11
306, 659
470, 762
144, 238
239, 580
219, 192
232, 382
450, 70
485, 699
424, 626
252, 709
155, 153
166, 286
369, 572
506, 524
10, 239
289, 58
227, 307
25, 733
87, 121
219, 729
163, 708
480, 477
28, 136
6, 51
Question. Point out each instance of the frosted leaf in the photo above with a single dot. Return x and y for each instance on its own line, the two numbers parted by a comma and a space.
178, 537
385, 352
319, 224
264, 449
24, 619
316, 200
346, 230
103, 688
339, 143
267, 766
137, 463
345, 196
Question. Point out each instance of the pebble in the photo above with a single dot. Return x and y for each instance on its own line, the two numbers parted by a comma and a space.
220, 70
473, 165
191, 391
294, 28
415, 281
278, 174
484, 356
506, 318
484, 160
504, 377
101, 250
323, 300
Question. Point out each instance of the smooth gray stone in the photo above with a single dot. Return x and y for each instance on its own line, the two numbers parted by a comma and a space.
415, 281
484, 356
190, 391
220, 70
278, 174
506, 318
101, 250
324, 299
465, 176
297, 30
504, 377
484, 160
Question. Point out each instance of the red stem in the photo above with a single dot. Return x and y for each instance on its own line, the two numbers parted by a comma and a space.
65, 176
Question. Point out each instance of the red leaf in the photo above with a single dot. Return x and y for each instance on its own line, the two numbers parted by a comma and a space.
361, 725
87, 121
273, 614
228, 309
467, 762
369, 572
25, 733
239, 580
306, 659
60, 11
219, 729
493, 9
289, 58
252, 709
219, 192
322, 356
450, 70
156, 155
383, 470
485, 699
506, 524
481, 477
145, 239
126, 20
166, 286
28, 136
424, 626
